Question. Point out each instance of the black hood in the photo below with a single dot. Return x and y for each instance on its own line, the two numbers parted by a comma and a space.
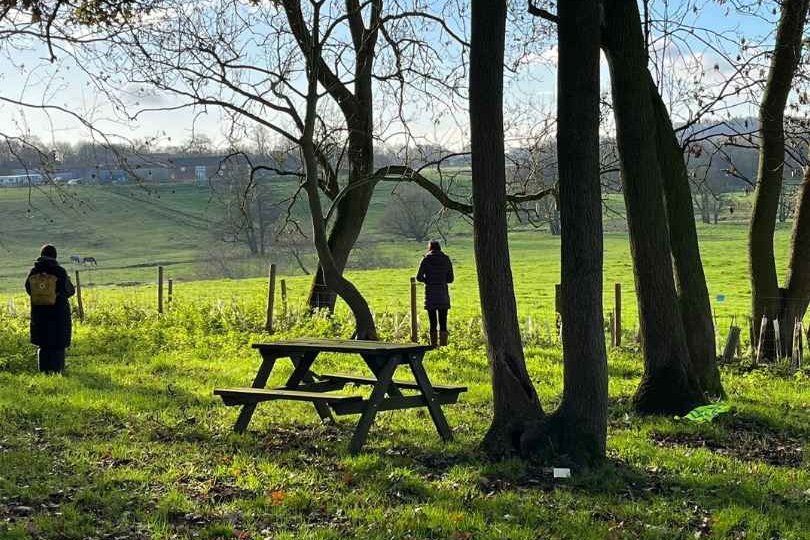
45, 262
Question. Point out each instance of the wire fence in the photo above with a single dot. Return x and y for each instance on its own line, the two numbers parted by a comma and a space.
396, 315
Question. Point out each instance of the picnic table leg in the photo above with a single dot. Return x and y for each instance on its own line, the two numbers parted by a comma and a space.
268, 361
415, 361
375, 367
301, 373
384, 377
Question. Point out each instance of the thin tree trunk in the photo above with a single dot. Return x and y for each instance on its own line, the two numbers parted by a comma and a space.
578, 428
357, 110
797, 290
690, 280
765, 293
515, 399
668, 384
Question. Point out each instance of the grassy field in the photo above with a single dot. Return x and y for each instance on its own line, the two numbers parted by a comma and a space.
131, 443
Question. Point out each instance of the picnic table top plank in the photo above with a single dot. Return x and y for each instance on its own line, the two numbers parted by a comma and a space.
408, 385
341, 346
280, 393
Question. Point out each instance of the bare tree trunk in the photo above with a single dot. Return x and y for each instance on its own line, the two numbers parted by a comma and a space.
515, 399
668, 384
351, 210
333, 275
766, 295
690, 280
797, 291
578, 428
358, 111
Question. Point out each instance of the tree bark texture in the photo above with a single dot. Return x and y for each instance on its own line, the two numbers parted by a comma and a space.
668, 385
515, 399
766, 296
690, 280
582, 415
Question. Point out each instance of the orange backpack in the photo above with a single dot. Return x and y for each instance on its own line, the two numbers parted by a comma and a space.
43, 289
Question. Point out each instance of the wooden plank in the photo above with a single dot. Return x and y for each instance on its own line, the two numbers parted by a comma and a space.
732, 343
79, 303
432, 403
406, 385
414, 313
239, 396
301, 373
777, 336
344, 346
344, 408
372, 405
760, 347
617, 320
160, 289
376, 363
271, 298
260, 381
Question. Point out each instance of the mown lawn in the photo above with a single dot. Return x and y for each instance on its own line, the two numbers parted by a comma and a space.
132, 444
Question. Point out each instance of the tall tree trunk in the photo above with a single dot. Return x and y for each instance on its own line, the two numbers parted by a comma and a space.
333, 275
765, 293
515, 399
359, 117
578, 428
668, 384
690, 280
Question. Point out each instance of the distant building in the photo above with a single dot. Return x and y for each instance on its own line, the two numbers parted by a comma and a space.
21, 180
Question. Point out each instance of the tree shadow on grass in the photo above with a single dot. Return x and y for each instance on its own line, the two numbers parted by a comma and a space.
746, 436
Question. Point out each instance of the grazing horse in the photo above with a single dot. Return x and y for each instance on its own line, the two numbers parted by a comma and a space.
90, 260
75, 259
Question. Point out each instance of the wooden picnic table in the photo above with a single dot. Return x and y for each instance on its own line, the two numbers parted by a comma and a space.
381, 358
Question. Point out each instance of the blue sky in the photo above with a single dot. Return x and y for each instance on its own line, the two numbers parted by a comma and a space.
26, 74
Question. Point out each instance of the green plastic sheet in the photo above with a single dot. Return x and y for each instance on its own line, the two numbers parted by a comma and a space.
706, 413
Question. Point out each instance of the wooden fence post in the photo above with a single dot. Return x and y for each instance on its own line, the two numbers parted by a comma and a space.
762, 329
777, 339
171, 290
796, 356
414, 313
271, 298
732, 343
284, 300
160, 289
79, 304
558, 298
617, 315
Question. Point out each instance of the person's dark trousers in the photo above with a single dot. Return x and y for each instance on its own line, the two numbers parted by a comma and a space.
51, 360
438, 326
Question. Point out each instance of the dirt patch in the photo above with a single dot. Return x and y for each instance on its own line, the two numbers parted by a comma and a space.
746, 439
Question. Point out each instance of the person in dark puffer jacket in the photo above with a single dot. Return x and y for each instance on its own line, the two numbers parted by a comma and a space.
51, 327
436, 272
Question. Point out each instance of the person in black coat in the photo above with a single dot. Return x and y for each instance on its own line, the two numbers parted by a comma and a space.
436, 272
51, 327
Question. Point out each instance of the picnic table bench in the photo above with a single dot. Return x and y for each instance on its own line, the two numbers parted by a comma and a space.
381, 358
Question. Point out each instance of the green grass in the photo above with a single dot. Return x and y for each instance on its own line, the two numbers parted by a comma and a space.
132, 443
